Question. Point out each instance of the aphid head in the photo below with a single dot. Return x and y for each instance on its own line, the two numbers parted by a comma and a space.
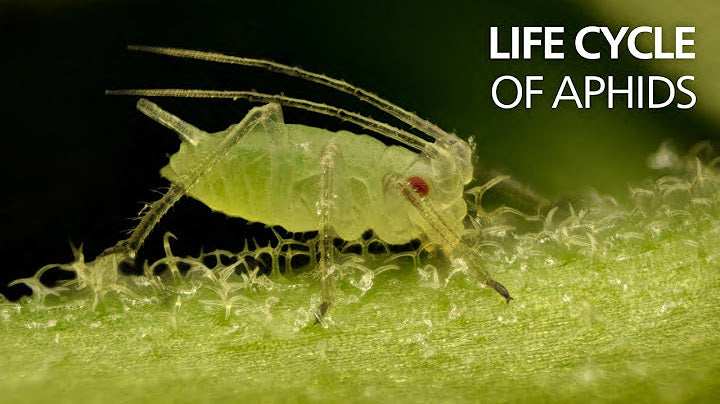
436, 183
451, 162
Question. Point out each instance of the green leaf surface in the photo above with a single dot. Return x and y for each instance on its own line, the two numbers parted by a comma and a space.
612, 304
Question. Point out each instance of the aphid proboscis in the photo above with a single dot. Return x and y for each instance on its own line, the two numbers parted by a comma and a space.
304, 178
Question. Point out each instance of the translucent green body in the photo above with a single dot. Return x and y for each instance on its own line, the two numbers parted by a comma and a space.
272, 175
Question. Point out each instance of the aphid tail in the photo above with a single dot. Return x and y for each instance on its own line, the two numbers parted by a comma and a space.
187, 132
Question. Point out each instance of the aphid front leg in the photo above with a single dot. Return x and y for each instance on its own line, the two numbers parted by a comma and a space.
326, 208
438, 232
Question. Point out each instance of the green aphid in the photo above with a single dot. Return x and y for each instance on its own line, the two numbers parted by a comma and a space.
309, 179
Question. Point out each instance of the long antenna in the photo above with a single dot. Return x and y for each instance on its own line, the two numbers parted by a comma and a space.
410, 118
384, 129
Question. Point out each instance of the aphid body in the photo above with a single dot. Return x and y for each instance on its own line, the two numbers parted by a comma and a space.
272, 176
304, 178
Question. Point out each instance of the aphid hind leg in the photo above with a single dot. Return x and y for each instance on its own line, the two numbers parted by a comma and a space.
148, 220
326, 208
438, 232
191, 135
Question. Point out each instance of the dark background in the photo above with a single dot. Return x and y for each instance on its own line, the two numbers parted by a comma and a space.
74, 163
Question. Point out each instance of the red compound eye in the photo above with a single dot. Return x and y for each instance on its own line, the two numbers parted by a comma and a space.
419, 185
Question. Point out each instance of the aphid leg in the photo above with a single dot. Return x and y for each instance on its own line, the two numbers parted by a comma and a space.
520, 195
437, 231
326, 207
191, 135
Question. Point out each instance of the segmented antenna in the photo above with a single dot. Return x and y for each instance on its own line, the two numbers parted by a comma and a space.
381, 128
410, 118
